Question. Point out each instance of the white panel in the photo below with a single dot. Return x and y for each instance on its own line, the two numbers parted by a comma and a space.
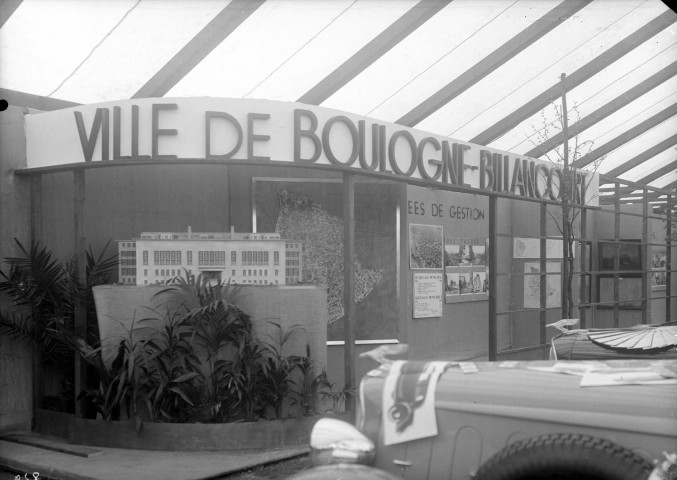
437, 52
565, 49
44, 41
138, 48
659, 161
611, 82
347, 34
268, 38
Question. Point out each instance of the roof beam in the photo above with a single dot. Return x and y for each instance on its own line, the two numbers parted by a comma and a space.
494, 60
613, 106
625, 137
588, 70
372, 51
37, 102
656, 174
225, 23
7, 8
604, 178
643, 157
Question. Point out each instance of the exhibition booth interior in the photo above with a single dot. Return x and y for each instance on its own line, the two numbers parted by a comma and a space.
457, 250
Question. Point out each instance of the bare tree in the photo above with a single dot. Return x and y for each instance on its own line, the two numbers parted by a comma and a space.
573, 198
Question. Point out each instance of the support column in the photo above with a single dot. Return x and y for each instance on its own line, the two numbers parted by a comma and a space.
646, 261
349, 286
80, 258
585, 278
36, 237
493, 247
668, 261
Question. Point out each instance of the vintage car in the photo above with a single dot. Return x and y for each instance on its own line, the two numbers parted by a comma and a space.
610, 420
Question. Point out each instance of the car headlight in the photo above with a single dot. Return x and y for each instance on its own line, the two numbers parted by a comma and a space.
334, 441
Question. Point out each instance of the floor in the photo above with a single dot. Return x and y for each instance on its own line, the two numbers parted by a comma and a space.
53, 458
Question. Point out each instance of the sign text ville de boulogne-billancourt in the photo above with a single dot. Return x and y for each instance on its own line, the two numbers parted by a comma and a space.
260, 130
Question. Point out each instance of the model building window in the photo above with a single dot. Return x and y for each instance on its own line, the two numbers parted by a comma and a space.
233, 258
145, 257
276, 258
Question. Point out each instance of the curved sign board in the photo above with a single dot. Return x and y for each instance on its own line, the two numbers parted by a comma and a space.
244, 130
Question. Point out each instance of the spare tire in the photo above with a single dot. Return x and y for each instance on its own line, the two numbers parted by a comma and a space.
565, 456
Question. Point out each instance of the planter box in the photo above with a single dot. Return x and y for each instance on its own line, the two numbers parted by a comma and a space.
52, 423
119, 307
192, 437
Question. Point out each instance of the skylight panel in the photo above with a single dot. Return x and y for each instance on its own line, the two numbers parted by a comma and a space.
565, 49
633, 114
665, 181
659, 161
341, 38
266, 40
43, 42
89, 52
611, 82
638, 145
441, 49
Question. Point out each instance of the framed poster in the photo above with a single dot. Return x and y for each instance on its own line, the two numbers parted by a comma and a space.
527, 247
658, 268
427, 294
310, 212
425, 246
465, 269
532, 285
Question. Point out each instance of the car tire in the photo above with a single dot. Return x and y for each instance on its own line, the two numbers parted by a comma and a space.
565, 456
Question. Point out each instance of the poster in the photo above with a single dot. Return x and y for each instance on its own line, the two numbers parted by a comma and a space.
532, 285
658, 273
310, 212
524, 247
425, 246
409, 401
465, 269
427, 295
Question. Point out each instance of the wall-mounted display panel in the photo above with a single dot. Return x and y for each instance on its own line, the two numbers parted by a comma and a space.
310, 212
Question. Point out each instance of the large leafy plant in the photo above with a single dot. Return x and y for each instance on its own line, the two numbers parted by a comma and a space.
43, 295
220, 331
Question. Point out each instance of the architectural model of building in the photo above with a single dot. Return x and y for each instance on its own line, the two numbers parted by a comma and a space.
240, 258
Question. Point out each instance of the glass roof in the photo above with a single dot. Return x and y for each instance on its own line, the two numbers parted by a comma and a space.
482, 71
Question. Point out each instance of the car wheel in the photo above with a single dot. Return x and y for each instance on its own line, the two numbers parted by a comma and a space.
565, 456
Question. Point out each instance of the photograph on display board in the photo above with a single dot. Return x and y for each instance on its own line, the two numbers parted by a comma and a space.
425, 246
452, 255
658, 262
310, 212
532, 285
480, 281
451, 286
465, 284
479, 255
467, 255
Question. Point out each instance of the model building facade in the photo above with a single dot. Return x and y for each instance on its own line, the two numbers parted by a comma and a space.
241, 258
